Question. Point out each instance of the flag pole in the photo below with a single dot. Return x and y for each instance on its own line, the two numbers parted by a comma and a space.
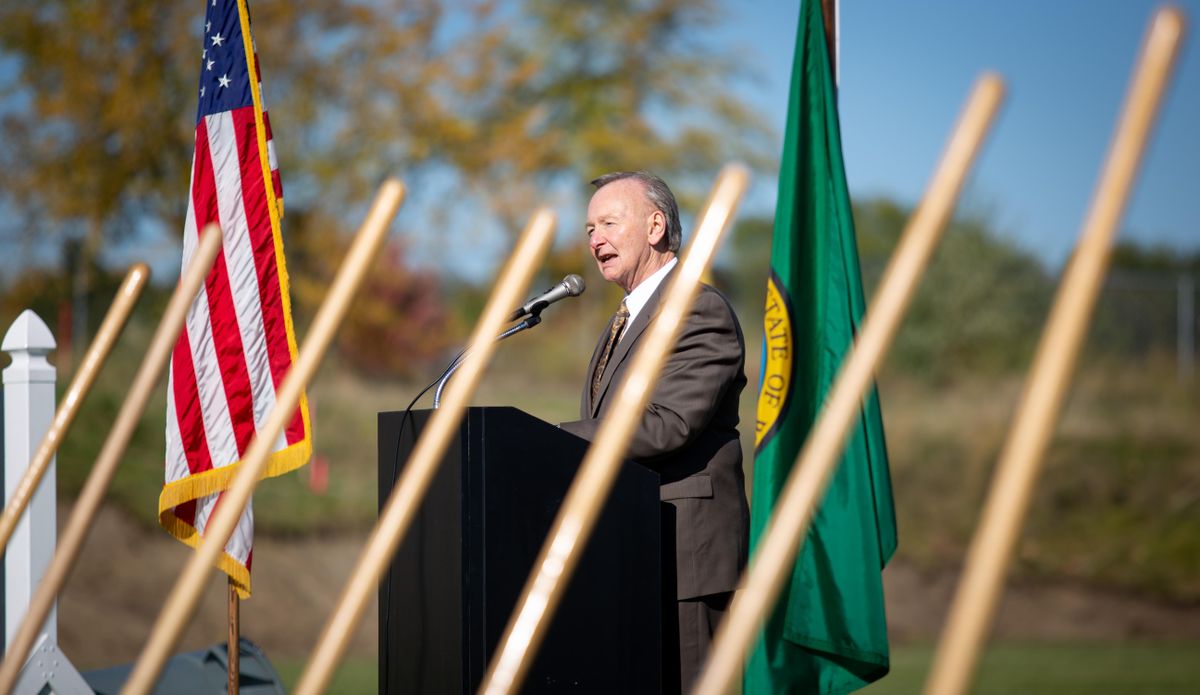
806, 484
1000, 523
234, 652
88, 503
829, 10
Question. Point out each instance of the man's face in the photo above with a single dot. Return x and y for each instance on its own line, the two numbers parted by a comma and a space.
622, 229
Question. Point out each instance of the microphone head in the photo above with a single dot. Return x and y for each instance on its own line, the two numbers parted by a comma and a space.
574, 285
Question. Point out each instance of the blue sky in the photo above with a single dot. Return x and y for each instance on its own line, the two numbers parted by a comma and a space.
907, 67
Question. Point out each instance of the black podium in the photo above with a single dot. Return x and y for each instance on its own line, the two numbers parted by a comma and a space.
457, 575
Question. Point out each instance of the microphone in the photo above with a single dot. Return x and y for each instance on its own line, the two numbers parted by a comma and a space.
571, 286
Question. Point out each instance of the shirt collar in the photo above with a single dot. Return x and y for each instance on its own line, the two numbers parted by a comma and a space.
635, 300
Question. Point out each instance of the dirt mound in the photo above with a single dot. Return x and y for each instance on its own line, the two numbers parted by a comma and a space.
126, 571
917, 604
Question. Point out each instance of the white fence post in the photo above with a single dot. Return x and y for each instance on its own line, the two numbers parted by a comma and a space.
28, 409
29, 404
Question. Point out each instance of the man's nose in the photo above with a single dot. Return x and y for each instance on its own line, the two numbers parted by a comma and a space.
595, 241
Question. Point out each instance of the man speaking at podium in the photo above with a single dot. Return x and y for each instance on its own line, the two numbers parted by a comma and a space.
688, 433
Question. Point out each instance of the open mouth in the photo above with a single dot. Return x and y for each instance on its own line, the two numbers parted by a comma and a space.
605, 257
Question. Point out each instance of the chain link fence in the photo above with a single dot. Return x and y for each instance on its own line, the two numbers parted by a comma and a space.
1143, 314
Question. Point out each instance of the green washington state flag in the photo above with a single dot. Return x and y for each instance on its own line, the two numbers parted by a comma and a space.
828, 633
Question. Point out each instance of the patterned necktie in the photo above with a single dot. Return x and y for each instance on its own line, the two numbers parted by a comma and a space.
614, 336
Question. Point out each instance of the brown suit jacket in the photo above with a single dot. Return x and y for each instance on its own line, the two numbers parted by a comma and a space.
688, 434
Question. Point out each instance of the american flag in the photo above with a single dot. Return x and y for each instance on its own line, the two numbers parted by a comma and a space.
238, 342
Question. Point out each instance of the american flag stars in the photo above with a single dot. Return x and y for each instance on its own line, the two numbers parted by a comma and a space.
224, 79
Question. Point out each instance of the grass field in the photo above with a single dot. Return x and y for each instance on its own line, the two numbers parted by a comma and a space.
1061, 669
355, 676
1137, 668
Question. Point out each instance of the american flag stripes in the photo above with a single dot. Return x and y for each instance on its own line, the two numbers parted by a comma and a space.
238, 340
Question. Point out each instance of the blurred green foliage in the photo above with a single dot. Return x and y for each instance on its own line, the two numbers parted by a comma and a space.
978, 307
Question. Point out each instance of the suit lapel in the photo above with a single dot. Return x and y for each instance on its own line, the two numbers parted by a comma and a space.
586, 409
632, 334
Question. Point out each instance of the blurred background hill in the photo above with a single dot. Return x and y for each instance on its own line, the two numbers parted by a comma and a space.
486, 109
1118, 504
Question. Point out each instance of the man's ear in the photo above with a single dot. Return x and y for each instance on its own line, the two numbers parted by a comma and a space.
658, 228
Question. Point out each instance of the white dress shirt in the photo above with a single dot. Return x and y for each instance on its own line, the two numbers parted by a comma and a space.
636, 300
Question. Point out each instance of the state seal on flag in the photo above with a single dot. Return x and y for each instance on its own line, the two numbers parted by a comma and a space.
776, 382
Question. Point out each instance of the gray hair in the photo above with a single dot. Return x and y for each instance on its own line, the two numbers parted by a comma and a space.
658, 194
